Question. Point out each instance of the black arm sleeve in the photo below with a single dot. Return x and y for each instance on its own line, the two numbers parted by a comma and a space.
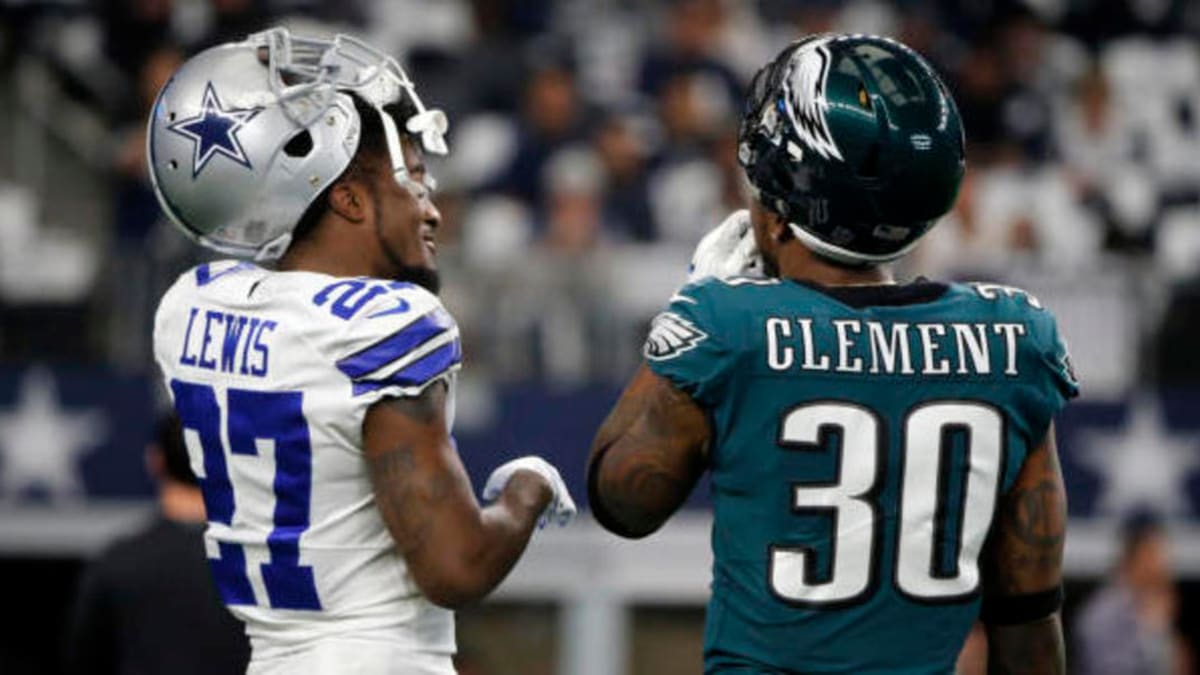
1007, 610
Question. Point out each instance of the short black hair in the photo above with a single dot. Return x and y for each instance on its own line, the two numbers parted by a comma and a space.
372, 149
168, 441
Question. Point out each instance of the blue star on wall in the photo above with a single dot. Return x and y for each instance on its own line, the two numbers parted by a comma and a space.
214, 131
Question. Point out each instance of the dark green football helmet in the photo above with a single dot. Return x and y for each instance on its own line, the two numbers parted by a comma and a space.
856, 141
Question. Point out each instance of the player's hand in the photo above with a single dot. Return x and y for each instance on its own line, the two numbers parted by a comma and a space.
561, 508
729, 250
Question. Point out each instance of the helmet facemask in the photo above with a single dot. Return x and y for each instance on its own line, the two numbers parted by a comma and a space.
306, 72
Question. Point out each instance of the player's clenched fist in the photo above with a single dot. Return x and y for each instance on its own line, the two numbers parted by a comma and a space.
561, 508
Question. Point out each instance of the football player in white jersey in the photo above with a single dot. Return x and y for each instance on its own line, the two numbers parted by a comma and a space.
317, 393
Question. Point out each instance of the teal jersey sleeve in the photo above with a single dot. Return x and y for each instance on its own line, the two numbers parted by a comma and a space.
686, 345
1058, 362
1045, 364
1054, 379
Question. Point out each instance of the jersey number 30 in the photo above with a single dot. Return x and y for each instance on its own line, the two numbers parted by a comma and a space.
253, 416
942, 522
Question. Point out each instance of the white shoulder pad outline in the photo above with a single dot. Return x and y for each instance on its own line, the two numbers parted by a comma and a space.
1065, 363
749, 281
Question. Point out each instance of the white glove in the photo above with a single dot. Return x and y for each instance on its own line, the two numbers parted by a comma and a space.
561, 509
729, 250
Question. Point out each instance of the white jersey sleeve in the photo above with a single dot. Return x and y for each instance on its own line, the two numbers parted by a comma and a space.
395, 341
272, 374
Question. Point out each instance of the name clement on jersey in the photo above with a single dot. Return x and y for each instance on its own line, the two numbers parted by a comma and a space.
226, 342
876, 347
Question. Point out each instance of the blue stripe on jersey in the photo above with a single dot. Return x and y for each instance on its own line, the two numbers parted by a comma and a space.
396, 345
418, 372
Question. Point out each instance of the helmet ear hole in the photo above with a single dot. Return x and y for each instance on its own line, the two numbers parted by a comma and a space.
864, 99
300, 145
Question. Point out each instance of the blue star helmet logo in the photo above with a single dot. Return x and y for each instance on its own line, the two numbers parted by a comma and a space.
214, 131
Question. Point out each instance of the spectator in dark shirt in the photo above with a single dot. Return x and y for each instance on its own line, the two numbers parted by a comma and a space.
689, 47
552, 116
148, 604
622, 152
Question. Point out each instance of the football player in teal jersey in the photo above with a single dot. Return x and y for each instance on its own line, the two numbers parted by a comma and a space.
882, 455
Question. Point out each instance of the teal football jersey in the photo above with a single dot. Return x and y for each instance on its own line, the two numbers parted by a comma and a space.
861, 439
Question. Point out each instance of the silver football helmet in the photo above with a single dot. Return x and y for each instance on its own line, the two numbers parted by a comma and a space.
246, 134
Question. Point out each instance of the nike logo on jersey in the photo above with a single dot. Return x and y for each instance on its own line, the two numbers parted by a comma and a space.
205, 274
401, 307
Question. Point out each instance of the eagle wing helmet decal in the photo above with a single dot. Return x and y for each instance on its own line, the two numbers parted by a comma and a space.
804, 86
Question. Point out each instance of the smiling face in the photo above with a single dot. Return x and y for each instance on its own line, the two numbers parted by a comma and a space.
406, 222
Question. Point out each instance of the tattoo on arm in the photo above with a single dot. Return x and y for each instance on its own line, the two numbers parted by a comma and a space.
1032, 514
456, 552
647, 456
1023, 556
1025, 548
407, 491
395, 493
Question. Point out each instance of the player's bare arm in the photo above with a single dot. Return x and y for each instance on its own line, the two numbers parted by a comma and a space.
647, 456
456, 551
1023, 569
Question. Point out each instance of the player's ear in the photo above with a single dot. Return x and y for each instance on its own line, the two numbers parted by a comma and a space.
777, 227
348, 199
774, 226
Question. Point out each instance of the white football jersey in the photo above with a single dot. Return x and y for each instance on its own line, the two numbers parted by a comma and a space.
272, 374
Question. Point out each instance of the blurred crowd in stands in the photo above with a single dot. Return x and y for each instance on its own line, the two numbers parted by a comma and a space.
592, 144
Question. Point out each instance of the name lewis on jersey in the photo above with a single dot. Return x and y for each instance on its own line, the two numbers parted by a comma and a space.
671, 335
227, 342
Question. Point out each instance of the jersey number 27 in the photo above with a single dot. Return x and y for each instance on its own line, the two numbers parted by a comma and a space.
252, 416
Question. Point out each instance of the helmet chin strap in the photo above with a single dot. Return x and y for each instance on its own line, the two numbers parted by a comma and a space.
274, 249
396, 152
400, 173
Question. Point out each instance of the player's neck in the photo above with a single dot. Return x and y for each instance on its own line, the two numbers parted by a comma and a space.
799, 263
324, 258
